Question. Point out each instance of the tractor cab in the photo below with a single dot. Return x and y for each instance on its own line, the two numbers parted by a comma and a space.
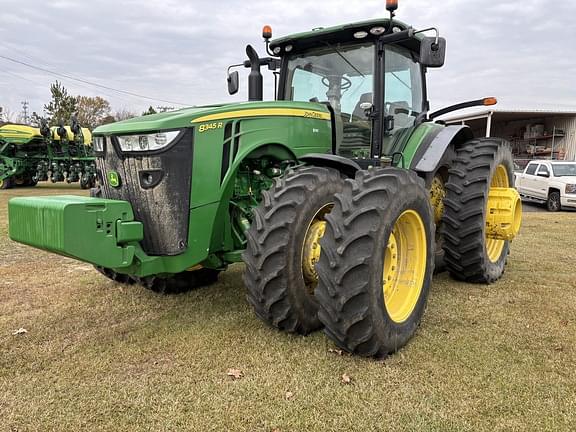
376, 91
371, 76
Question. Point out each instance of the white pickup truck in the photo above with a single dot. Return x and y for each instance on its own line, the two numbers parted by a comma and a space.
549, 182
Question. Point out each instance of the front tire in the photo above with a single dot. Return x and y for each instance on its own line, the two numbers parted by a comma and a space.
553, 202
115, 276
377, 262
470, 255
283, 248
175, 284
180, 282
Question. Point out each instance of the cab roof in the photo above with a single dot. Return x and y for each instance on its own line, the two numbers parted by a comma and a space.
336, 34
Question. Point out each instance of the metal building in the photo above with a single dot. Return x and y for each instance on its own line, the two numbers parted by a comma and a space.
534, 134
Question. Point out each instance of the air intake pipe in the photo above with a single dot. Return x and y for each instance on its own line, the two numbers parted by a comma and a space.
255, 81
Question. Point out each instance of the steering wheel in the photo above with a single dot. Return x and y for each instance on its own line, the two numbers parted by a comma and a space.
346, 83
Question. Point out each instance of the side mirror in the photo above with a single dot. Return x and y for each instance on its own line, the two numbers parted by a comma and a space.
432, 54
543, 174
233, 82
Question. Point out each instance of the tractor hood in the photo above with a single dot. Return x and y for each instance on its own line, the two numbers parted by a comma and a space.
187, 117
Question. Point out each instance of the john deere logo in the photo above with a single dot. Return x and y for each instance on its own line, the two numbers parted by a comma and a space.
114, 179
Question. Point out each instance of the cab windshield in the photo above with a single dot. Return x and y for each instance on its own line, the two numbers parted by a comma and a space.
339, 75
343, 76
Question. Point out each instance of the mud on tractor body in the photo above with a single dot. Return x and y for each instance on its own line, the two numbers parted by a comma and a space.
61, 153
341, 196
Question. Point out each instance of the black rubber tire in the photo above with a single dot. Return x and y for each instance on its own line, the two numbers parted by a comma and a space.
116, 277
7, 183
350, 293
174, 284
275, 285
553, 203
442, 170
465, 210
180, 282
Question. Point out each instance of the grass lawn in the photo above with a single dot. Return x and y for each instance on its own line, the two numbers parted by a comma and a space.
101, 356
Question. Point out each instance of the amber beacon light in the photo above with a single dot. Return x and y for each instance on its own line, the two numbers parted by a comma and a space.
267, 32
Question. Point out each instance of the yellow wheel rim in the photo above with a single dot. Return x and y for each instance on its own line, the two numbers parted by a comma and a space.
495, 247
404, 266
437, 195
311, 247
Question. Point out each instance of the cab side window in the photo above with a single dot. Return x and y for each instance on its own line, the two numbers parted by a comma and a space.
531, 169
543, 169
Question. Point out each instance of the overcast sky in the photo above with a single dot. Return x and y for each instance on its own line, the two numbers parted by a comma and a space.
523, 52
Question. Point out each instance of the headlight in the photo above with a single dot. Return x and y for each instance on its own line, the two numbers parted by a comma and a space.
571, 188
146, 142
98, 143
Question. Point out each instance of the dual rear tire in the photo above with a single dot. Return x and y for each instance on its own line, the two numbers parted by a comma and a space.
378, 261
470, 254
373, 275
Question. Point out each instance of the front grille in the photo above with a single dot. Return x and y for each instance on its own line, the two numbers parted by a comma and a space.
164, 207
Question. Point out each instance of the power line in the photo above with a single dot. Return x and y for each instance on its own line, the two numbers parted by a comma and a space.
88, 82
7, 72
44, 63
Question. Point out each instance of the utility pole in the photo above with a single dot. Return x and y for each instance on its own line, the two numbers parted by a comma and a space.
164, 108
25, 111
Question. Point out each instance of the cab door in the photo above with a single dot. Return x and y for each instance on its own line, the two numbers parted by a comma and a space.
404, 98
527, 184
541, 181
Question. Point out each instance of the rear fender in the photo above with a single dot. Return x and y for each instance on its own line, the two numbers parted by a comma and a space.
429, 158
346, 166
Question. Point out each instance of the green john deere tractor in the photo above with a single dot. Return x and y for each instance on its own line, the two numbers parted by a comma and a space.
340, 195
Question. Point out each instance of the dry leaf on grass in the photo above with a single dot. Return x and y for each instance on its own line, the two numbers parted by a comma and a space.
335, 351
20, 331
346, 379
235, 373
289, 395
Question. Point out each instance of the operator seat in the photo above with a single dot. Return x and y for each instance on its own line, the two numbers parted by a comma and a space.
356, 131
359, 113
400, 110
